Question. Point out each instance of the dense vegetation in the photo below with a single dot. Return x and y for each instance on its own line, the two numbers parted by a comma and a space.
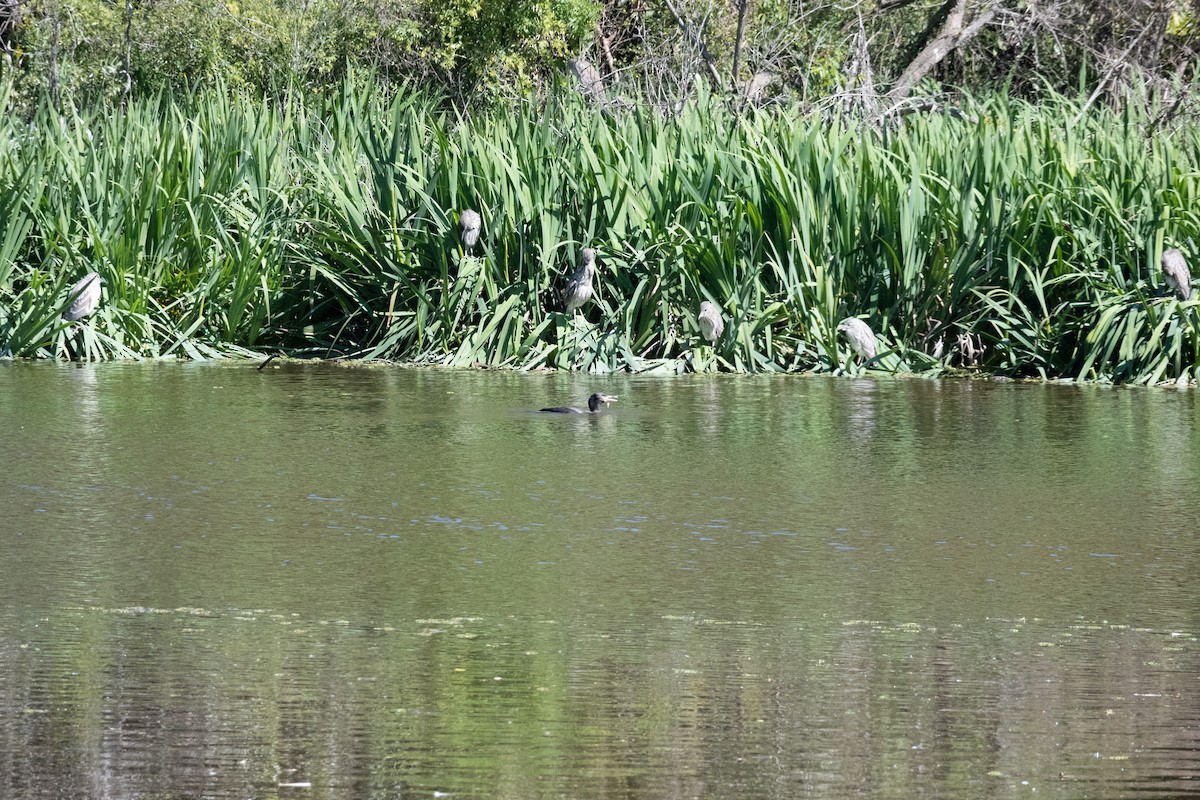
1017, 238
474, 52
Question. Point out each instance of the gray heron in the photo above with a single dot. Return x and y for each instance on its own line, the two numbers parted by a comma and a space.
595, 402
470, 224
711, 323
84, 297
1176, 274
579, 286
859, 334
587, 78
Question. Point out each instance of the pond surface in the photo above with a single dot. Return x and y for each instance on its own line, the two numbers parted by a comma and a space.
311, 581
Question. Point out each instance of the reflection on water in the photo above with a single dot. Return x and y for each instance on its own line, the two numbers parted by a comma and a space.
312, 581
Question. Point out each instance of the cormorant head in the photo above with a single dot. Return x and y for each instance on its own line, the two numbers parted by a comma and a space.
598, 399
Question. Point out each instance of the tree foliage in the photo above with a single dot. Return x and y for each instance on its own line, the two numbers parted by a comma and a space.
469, 47
476, 51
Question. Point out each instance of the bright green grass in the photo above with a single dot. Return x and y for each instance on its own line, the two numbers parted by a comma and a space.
1010, 239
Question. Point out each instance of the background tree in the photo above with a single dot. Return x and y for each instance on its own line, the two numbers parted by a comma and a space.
873, 54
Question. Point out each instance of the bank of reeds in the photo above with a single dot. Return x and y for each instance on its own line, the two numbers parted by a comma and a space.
1010, 238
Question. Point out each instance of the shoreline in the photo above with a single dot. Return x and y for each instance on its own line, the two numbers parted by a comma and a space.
264, 362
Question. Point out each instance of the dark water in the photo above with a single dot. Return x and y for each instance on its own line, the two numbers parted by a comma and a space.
383, 583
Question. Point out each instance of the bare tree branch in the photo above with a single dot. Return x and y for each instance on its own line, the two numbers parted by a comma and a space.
128, 49
743, 6
55, 37
606, 50
953, 34
10, 23
866, 73
933, 52
1108, 76
975, 27
699, 42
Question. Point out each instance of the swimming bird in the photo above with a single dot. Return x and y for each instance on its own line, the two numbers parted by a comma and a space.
470, 224
711, 323
594, 404
859, 334
578, 289
84, 297
1176, 273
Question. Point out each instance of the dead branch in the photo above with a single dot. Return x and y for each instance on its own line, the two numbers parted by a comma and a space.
606, 50
743, 6
698, 41
10, 23
932, 54
953, 34
1108, 76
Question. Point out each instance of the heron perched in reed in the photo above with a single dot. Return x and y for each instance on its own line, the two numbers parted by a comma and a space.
595, 403
84, 297
578, 289
859, 334
1176, 273
470, 224
588, 79
711, 323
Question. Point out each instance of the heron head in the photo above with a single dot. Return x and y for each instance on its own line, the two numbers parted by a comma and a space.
588, 256
1173, 260
706, 306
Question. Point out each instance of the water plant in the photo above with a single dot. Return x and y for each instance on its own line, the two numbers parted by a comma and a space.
1013, 238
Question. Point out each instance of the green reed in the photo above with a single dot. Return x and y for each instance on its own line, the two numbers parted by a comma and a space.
1012, 238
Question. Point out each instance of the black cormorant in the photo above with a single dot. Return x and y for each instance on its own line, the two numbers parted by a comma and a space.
594, 404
